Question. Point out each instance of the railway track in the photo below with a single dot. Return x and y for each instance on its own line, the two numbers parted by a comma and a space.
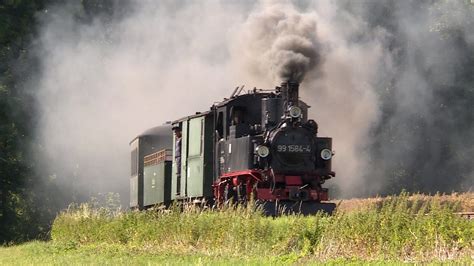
467, 215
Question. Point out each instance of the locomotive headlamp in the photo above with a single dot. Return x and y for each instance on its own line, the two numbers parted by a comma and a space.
262, 151
295, 111
326, 154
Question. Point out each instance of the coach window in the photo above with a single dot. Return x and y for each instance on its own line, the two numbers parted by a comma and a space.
134, 162
202, 137
220, 125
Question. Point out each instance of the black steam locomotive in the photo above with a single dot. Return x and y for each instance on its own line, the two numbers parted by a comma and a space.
257, 145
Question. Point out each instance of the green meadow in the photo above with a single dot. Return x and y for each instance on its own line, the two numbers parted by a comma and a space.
391, 230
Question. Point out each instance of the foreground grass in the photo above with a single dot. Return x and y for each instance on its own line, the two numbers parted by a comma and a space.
50, 253
395, 229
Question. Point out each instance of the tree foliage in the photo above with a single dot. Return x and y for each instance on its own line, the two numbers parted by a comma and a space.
16, 20
28, 200
428, 148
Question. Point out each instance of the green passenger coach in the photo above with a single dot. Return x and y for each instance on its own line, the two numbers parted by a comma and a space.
151, 167
196, 158
154, 178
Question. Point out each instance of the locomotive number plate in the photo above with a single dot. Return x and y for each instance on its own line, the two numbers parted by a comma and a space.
293, 148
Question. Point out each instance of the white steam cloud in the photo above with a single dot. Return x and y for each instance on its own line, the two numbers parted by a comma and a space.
104, 82
343, 91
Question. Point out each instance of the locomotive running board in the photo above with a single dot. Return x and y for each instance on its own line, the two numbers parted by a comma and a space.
278, 208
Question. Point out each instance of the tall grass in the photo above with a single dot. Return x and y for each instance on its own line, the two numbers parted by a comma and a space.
397, 228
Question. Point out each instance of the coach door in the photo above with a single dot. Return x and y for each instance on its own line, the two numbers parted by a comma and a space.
194, 173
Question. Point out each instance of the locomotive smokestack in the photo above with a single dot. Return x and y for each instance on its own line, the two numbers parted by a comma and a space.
290, 92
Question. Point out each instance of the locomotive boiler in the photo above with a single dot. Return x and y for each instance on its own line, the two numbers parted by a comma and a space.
257, 145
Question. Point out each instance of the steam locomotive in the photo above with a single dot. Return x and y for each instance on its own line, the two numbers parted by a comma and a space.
256, 145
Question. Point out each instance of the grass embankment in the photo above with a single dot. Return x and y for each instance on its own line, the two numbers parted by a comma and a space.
402, 228
397, 228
